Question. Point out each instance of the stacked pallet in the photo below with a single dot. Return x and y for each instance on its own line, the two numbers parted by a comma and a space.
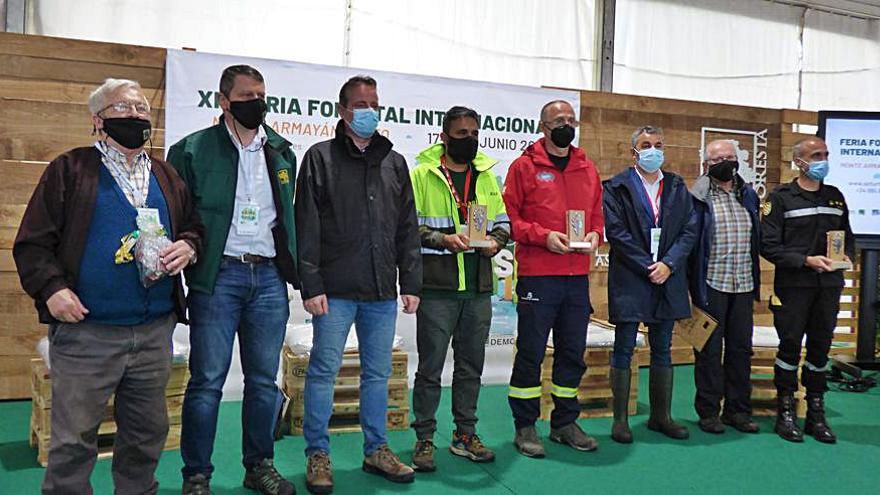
763, 389
41, 411
346, 393
594, 391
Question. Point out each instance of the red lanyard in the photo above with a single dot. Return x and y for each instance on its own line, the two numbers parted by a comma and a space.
462, 204
655, 204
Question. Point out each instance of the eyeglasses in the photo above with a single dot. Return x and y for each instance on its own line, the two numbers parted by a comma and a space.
715, 161
561, 121
140, 108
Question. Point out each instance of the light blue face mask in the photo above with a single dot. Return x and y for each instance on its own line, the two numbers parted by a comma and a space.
364, 122
818, 170
651, 159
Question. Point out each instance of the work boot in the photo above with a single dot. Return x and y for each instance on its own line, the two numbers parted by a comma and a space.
741, 421
385, 463
573, 436
423, 456
786, 423
528, 443
620, 384
470, 446
264, 478
197, 484
816, 423
319, 474
711, 424
660, 396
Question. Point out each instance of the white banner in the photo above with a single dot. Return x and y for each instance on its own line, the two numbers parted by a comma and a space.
302, 108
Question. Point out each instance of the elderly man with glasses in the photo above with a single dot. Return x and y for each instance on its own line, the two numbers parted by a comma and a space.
725, 281
109, 333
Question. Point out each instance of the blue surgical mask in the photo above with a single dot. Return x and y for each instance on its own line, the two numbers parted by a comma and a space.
818, 170
364, 122
651, 159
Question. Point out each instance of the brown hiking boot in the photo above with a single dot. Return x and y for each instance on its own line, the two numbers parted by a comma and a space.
423, 456
319, 474
471, 447
386, 464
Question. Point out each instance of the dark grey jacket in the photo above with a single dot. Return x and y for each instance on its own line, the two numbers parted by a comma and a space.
356, 221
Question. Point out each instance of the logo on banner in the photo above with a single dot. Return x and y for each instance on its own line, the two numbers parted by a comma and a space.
751, 153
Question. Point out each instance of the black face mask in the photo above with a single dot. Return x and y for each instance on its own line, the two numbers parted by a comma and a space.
462, 150
724, 171
249, 113
129, 132
562, 136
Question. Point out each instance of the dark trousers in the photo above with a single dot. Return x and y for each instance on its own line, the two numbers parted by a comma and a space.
659, 337
466, 322
88, 364
560, 303
810, 311
728, 378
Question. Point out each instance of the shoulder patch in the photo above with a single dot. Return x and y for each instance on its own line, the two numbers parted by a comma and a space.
766, 206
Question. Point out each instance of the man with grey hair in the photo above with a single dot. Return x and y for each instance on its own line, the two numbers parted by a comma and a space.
725, 280
650, 224
109, 332
798, 217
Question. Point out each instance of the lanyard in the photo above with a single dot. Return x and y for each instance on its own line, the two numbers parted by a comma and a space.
655, 203
462, 204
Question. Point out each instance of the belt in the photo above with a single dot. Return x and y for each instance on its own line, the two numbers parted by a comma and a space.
250, 259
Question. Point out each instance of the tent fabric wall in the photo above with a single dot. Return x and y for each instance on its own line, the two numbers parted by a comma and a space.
748, 53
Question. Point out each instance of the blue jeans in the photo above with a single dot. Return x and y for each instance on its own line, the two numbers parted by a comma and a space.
374, 323
250, 300
659, 336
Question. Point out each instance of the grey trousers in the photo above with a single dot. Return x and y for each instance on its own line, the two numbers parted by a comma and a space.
88, 363
466, 323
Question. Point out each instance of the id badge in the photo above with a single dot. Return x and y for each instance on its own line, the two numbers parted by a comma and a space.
655, 242
247, 218
148, 216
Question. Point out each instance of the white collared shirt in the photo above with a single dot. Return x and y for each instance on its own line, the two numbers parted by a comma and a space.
652, 189
254, 186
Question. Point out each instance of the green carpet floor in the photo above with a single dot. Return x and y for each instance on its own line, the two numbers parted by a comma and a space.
715, 464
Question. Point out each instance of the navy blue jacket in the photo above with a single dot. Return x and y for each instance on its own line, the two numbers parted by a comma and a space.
699, 260
631, 295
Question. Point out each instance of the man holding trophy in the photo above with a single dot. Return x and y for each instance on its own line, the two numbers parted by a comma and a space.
462, 224
554, 198
806, 234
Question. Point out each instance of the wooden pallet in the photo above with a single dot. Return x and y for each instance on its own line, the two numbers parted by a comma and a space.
397, 419
41, 412
594, 391
763, 389
294, 368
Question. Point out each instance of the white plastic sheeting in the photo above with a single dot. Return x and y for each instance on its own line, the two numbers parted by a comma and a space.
749, 52
524, 42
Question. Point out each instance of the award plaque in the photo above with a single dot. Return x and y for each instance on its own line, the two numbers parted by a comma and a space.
836, 250
478, 221
577, 233
697, 329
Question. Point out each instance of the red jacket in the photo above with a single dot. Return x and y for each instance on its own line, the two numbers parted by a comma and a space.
537, 196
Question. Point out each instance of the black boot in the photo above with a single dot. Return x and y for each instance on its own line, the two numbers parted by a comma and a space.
786, 423
620, 382
660, 395
816, 424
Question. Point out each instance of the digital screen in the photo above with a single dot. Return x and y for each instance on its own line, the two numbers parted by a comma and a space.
853, 140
